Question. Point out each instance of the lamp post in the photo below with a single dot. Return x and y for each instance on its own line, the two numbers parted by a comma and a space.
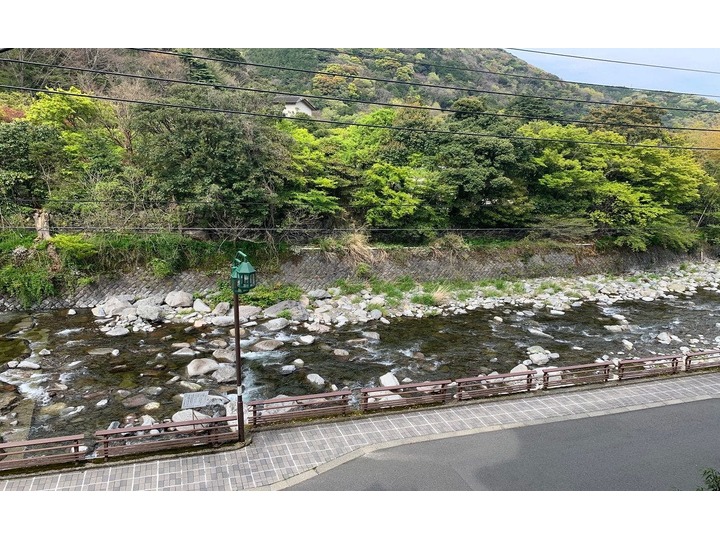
242, 280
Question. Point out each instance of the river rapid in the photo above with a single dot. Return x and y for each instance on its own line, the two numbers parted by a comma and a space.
85, 379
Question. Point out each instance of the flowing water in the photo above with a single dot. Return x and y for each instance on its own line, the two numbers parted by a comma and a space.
82, 369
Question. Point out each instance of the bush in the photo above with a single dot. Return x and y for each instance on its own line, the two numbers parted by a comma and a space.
262, 295
29, 283
73, 249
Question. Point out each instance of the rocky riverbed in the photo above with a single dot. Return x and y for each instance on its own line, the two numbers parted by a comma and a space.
132, 360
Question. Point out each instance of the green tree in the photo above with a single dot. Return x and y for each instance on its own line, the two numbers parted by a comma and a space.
226, 169
483, 169
636, 120
634, 195
30, 159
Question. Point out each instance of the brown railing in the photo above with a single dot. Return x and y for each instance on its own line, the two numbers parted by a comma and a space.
214, 431
702, 360
380, 398
592, 373
30, 453
648, 366
263, 412
159, 437
495, 384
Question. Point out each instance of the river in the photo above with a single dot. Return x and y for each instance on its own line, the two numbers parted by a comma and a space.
86, 376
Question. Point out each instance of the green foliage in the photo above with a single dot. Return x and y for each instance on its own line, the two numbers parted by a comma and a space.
423, 299
160, 267
29, 282
74, 249
348, 287
30, 158
362, 270
10, 239
265, 295
631, 194
711, 478
210, 161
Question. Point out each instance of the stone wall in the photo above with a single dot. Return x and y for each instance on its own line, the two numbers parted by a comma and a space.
316, 269
313, 268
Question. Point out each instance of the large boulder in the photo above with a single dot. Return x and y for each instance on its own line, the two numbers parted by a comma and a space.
179, 298
246, 312
267, 346
318, 294
225, 373
221, 309
136, 401
200, 306
276, 324
201, 365
296, 309
222, 321
316, 379
149, 311
115, 305
188, 415
389, 379
225, 354
118, 331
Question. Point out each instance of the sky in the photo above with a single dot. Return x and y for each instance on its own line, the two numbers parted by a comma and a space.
653, 78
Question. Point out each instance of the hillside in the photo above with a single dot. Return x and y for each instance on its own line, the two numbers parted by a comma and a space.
440, 147
492, 74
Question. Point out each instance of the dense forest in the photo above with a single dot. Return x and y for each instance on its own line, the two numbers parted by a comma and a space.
407, 146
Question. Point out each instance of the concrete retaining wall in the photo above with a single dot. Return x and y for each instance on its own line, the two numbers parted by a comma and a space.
312, 268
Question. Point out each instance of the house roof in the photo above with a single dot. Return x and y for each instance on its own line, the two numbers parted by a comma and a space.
293, 99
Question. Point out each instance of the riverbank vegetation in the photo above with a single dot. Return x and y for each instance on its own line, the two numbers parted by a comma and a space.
91, 186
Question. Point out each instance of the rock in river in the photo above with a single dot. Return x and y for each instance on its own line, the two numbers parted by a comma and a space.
267, 346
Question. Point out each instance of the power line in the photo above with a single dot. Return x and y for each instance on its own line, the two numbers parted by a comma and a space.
350, 100
424, 85
617, 61
353, 124
293, 229
512, 75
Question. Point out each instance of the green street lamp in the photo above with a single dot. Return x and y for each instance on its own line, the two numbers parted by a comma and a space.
242, 280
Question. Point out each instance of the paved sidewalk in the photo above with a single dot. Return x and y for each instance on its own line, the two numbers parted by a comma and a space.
279, 458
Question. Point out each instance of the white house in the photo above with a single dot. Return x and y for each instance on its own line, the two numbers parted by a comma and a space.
294, 104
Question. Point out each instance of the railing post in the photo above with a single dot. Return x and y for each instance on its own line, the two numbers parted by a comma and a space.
76, 449
106, 446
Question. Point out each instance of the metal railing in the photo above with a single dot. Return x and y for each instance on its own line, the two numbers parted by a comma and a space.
263, 412
695, 361
592, 373
648, 366
495, 384
382, 398
44, 452
162, 436
215, 431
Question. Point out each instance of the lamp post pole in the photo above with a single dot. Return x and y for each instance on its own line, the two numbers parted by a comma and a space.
242, 280
238, 371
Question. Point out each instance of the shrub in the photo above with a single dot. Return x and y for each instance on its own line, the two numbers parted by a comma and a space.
29, 283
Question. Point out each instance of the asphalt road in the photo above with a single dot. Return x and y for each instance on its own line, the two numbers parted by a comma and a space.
664, 448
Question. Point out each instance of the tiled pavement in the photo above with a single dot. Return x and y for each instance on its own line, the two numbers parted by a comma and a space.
279, 458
